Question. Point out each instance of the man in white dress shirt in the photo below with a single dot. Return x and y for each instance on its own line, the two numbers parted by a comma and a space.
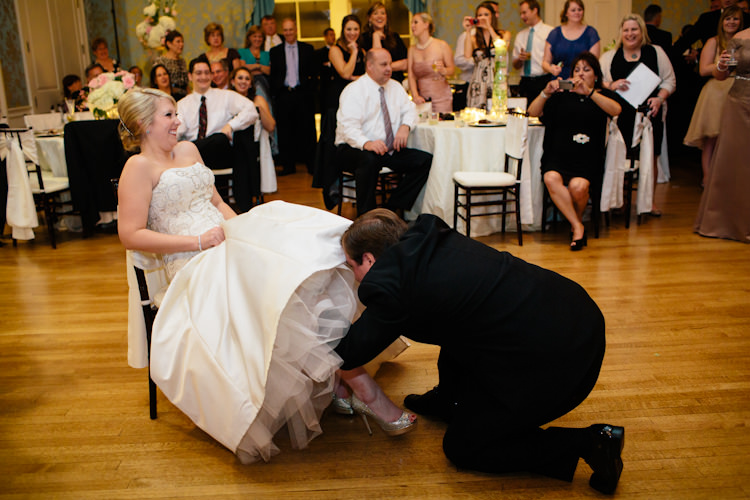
528, 50
210, 117
268, 26
374, 119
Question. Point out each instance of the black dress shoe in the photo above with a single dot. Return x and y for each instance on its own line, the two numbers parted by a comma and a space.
431, 403
605, 456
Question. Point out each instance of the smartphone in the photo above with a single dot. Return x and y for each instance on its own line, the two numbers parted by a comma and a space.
566, 84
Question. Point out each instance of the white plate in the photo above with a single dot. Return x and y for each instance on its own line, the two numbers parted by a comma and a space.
491, 124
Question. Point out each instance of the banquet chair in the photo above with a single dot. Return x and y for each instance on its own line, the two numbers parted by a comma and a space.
387, 181
149, 308
494, 191
623, 175
44, 187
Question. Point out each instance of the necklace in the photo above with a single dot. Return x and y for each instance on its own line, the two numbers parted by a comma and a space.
634, 56
422, 47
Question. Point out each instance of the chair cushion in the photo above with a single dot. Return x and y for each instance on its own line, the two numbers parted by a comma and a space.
51, 184
484, 179
222, 171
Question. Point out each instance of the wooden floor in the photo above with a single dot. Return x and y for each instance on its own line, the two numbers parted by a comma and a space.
74, 418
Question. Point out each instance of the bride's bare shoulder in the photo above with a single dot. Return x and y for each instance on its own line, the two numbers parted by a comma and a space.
186, 149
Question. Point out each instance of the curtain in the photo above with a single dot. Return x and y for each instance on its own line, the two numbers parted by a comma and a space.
262, 8
415, 6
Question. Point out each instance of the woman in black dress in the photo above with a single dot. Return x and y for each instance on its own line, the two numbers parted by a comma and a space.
377, 35
574, 139
348, 60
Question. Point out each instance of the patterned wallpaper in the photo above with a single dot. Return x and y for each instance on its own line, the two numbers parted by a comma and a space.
11, 57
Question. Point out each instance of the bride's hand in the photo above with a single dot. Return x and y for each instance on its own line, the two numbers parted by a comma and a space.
211, 238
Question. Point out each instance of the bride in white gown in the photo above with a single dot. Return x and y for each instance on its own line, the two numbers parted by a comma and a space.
243, 341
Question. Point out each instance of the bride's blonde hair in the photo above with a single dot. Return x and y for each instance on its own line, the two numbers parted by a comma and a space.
137, 109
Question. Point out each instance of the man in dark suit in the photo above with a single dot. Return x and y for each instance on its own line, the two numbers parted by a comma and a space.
325, 67
705, 27
293, 77
505, 369
662, 38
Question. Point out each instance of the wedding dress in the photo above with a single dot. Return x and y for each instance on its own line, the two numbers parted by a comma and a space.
243, 341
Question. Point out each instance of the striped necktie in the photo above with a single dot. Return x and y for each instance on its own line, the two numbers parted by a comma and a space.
386, 121
202, 118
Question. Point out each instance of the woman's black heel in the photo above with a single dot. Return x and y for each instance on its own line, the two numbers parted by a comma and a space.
577, 245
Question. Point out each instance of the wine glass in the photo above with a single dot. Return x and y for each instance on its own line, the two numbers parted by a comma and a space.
732, 62
436, 76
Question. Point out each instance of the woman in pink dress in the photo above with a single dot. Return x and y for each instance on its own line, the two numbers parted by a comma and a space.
429, 63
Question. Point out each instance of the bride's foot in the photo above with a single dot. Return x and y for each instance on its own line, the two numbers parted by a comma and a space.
406, 422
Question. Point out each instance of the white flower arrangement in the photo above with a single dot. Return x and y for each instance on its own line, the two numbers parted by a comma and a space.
106, 90
159, 21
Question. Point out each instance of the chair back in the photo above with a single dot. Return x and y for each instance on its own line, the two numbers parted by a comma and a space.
519, 103
44, 121
516, 135
17, 147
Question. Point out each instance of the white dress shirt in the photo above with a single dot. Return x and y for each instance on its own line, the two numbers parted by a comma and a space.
541, 31
222, 107
271, 41
360, 118
464, 63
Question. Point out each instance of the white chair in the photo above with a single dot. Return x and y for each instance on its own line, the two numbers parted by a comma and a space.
44, 121
517, 103
493, 192
29, 188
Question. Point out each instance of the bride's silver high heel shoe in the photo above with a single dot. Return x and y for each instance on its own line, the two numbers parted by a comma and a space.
342, 406
403, 425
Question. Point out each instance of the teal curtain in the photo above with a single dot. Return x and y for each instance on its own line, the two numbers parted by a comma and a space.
414, 6
262, 8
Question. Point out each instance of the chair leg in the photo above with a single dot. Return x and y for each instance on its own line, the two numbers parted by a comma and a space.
49, 219
505, 205
151, 396
468, 213
455, 206
341, 187
518, 217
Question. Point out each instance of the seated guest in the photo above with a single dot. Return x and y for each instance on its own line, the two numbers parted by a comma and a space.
254, 58
213, 34
93, 70
137, 74
160, 79
210, 117
73, 91
505, 369
528, 50
566, 41
241, 81
220, 74
272, 39
429, 64
574, 139
101, 55
173, 61
373, 122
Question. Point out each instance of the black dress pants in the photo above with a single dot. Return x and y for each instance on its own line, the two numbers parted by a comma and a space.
485, 434
412, 164
295, 122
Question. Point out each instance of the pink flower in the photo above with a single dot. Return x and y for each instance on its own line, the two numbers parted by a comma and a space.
122, 72
128, 80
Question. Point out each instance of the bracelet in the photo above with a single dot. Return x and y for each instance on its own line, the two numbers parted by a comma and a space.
722, 70
543, 95
592, 93
200, 247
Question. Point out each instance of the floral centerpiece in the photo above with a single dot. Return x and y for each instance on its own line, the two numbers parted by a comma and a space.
105, 90
159, 21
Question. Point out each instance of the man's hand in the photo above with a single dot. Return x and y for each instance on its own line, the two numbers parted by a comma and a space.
377, 147
227, 131
402, 136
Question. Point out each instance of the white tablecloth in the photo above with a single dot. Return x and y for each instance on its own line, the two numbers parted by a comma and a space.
476, 149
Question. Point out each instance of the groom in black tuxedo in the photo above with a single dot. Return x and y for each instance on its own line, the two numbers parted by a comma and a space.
293, 77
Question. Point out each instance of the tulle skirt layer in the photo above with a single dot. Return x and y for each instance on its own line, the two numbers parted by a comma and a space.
302, 370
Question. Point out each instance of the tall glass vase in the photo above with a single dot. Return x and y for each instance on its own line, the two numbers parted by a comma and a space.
500, 83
